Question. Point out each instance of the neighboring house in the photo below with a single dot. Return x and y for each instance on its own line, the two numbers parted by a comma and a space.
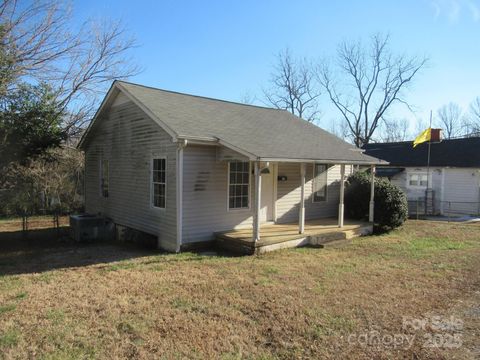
454, 174
183, 167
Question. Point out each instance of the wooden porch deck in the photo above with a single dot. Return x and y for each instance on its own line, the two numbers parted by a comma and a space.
276, 236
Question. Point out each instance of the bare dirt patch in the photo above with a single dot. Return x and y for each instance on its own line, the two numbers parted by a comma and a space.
301, 303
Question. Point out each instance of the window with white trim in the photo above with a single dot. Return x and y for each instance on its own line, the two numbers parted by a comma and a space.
238, 185
104, 179
159, 183
418, 180
320, 172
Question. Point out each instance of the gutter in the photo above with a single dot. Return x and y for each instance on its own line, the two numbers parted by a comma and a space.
326, 161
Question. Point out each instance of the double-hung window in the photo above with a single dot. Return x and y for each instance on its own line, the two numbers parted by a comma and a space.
159, 183
320, 172
104, 179
418, 180
238, 185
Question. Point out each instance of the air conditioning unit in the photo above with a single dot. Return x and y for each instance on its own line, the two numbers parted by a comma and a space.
87, 228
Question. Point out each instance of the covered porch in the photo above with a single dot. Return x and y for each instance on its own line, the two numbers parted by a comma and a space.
318, 232
292, 207
259, 170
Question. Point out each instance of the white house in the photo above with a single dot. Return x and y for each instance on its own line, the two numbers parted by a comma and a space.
184, 167
454, 173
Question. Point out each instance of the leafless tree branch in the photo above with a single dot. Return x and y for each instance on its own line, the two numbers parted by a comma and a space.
373, 80
449, 119
292, 87
472, 119
78, 63
394, 130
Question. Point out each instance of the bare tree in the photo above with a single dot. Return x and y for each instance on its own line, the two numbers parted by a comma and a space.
44, 183
395, 130
40, 43
248, 98
372, 80
292, 87
449, 119
472, 119
339, 128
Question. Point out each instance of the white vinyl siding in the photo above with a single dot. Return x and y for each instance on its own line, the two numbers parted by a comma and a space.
462, 187
104, 179
129, 139
288, 193
205, 194
458, 191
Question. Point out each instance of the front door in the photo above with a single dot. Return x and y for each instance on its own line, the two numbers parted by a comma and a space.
266, 197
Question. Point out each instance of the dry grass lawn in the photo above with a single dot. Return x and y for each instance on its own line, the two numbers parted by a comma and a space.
64, 301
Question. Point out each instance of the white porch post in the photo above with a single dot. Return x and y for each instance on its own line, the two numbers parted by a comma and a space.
301, 209
179, 194
372, 194
256, 208
341, 206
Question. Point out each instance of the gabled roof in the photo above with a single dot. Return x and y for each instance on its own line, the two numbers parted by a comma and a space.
259, 132
454, 153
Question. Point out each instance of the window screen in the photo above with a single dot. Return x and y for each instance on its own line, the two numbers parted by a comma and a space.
159, 183
320, 182
239, 185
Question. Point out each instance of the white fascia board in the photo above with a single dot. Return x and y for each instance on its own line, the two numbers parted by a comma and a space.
203, 140
113, 91
325, 161
250, 156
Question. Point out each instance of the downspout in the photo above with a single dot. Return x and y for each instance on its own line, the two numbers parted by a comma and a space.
180, 146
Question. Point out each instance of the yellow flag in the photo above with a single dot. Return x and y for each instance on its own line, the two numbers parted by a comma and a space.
426, 135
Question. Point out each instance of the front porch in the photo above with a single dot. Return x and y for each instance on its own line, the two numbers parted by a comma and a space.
318, 232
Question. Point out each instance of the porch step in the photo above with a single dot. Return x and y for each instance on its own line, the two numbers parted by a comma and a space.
335, 244
360, 231
234, 246
321, 239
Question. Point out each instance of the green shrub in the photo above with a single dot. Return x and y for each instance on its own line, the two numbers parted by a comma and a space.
391, 208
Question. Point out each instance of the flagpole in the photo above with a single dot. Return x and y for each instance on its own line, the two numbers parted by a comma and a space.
427, 192
428, 156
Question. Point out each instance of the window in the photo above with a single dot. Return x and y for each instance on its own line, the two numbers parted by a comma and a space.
104, 180
320, 182
418, 180
413, 180
238, 184
423, 180
159, 183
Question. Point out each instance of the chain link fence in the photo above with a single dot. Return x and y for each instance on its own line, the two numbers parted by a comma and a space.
23, 226
452, 209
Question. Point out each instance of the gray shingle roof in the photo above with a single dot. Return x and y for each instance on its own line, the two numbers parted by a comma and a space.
260, 131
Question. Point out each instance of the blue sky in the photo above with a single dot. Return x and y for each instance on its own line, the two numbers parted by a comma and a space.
225, 49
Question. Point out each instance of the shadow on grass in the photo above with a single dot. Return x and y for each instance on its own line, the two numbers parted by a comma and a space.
46, 249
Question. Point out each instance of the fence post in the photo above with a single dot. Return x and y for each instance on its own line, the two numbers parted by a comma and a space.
24, 225
56, 223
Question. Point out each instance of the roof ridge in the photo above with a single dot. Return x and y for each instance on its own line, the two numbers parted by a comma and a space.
199, 96
433, 143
